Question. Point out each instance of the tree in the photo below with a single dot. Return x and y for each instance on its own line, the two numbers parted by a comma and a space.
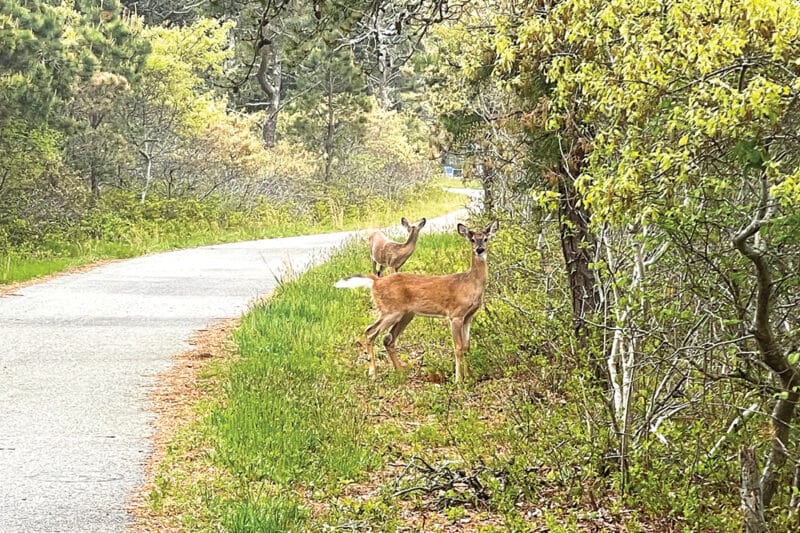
328, 115
98, 149
47, 53
693, 107
665, 141
170, 103
274, 37
508, 107
33, 31
391, 158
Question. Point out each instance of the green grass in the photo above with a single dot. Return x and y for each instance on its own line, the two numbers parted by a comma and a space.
14, 269
289, 417
157, 236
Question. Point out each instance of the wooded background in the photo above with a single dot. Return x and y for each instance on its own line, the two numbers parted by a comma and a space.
641, 155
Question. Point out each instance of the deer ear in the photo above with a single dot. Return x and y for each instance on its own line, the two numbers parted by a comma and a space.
492, 229
463, 230
422, 223
405, 223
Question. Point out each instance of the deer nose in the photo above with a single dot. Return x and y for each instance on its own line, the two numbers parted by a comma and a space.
480, 250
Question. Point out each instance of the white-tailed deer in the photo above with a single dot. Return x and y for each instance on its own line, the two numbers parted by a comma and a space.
387, 253
400, 297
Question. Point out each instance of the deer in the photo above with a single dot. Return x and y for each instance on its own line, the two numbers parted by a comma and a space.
401, 296
387, 253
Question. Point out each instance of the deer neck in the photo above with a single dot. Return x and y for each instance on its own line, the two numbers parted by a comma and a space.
412, 240
479, 270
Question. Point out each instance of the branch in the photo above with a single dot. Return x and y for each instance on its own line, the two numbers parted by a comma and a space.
734, 426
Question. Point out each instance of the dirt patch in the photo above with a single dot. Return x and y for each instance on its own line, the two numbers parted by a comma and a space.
12, 288
174, 399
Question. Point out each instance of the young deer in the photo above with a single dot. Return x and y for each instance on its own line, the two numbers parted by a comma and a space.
400, 297
387, 253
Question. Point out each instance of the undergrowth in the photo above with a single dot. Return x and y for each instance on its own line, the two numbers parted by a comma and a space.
300, 440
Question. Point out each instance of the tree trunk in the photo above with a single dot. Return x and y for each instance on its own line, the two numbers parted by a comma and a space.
384, 66
94, 183
148, 172
772, 354
782, 415
488, 181
750, 492
578, 246
269, 79
794, 503
328, 145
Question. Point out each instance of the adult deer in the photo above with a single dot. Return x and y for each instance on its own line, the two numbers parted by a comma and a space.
400, 297
387, 253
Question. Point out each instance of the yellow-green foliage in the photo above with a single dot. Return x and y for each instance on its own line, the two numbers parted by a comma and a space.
658, 82
26, 154
180, 58
392, 156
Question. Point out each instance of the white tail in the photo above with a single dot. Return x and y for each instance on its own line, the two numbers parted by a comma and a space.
457, 297
353, 282
387, 253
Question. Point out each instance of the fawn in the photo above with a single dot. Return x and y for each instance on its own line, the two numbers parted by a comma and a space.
401, 296
387, 253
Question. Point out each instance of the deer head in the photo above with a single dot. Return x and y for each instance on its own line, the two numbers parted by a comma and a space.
479, 239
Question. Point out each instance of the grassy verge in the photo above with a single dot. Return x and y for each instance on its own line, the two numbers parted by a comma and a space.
294, 437
154, 235
293, 428
286, 429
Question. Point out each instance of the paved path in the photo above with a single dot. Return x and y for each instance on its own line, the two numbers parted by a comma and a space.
79, 353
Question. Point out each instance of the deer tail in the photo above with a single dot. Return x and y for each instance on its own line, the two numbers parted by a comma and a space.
354, 282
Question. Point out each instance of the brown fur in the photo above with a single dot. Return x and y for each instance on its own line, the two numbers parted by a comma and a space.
387, 253
400, 297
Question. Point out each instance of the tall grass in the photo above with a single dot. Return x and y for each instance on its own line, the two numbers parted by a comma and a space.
289, 415
122, 230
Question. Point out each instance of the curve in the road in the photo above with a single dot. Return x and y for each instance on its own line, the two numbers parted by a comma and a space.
79, 353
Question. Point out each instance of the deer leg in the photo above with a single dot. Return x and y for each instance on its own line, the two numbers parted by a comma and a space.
457, 328
465, 342
467, 324
380, 270
390, 340
374, 267
373, 330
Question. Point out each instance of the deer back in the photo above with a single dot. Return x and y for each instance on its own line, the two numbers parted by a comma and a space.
453, 295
